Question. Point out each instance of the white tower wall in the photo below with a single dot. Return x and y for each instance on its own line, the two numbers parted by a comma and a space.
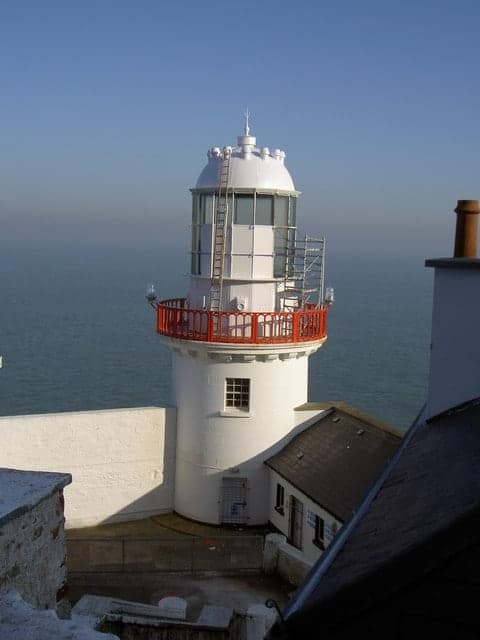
221, 445
213, 443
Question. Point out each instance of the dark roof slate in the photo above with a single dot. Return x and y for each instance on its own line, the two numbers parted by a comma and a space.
427, 510
335, 460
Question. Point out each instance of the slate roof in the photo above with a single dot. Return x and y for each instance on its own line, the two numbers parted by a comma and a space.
410, 558
335, 461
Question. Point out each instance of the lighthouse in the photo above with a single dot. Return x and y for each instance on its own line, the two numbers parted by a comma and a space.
240, 340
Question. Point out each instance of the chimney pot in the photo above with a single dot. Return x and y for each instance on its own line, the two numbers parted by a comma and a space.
466, 230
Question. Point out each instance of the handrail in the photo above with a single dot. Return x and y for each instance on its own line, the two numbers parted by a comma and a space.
176, 320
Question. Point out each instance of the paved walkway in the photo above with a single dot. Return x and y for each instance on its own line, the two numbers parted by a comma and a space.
169, 525
236, 591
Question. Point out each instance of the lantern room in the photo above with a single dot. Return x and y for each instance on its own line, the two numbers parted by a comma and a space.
260, 221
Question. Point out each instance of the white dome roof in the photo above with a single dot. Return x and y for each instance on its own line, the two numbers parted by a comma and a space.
250, 167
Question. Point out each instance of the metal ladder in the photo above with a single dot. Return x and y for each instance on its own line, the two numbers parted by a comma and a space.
220, 233
305, 275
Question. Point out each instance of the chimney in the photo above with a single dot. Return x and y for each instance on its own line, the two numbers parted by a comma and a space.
455, 348
467, 226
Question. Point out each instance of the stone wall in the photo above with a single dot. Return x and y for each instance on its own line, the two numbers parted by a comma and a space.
32, 541
122, 460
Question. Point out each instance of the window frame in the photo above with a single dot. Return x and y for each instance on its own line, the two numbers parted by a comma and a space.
271, 199
238, 389
243, 197
280, 499
319, 533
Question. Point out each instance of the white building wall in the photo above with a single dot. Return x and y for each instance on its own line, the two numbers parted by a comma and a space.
311, 551
122, 460
213, 443
455, 351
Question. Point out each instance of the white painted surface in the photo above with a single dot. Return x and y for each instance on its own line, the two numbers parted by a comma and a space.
310, 551
259, 296
248, 270
122, 460
270, 551
173, 607
293, 566
259, 620
455, 354
213, 442
282, 558
306, 417
250, 168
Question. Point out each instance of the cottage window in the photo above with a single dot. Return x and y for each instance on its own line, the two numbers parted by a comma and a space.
280, 499
319, 539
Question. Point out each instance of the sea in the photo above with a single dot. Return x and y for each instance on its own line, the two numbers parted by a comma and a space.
76, 333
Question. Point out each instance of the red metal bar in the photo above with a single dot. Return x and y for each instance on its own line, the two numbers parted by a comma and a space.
176, 320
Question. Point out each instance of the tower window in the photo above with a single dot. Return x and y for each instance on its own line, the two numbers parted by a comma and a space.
237, 393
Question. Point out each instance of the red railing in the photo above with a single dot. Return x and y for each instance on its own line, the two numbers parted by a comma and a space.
177, 320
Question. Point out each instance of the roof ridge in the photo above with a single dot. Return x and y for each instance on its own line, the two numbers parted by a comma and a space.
341, 405
463, 406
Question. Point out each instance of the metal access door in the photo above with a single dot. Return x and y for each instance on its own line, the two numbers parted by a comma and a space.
234, 501
295, 524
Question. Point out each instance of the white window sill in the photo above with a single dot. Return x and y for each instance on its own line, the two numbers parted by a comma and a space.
235, 414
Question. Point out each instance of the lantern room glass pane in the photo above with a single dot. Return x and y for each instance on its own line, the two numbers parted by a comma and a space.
243, 209
195, 239
195, 209
281, 211
280, 255
264, 210
195, 267
206, 207
292, 218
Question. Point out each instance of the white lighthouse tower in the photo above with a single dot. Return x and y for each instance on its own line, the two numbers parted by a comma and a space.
254, 312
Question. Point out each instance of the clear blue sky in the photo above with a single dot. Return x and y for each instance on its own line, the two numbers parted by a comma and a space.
107, 109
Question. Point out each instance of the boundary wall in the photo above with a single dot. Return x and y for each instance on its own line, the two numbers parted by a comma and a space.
221, 555
122, 460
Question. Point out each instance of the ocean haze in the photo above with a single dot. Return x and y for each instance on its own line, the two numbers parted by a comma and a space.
76, 333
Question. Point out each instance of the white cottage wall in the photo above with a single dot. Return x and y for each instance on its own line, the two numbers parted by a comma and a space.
281, 521
122, 460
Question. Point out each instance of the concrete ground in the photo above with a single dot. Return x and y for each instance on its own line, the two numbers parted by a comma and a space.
169, 525
235, 591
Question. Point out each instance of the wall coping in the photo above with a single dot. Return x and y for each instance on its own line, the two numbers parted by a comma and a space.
21, 491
